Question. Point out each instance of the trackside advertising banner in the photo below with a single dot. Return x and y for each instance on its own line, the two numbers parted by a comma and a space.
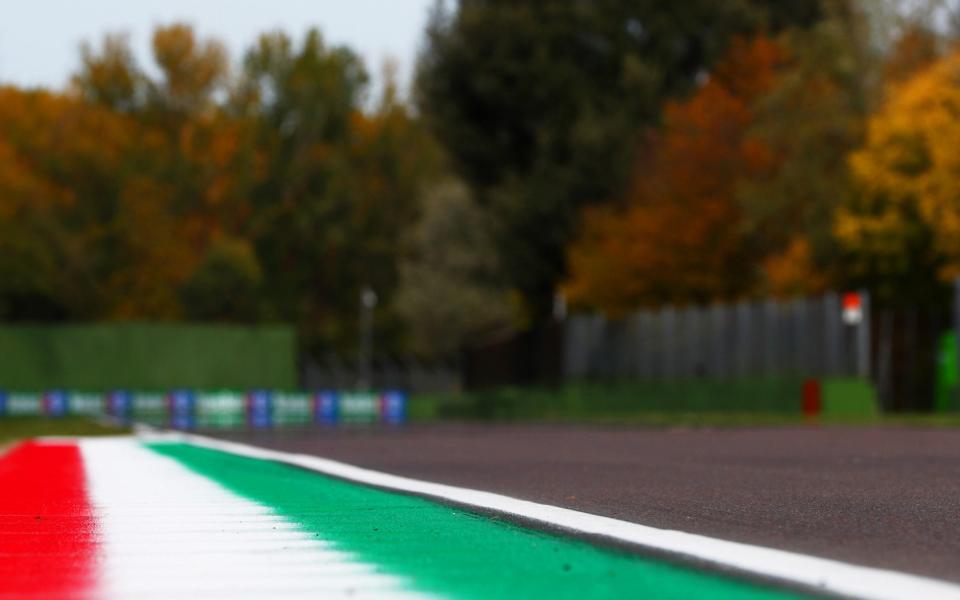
191, 409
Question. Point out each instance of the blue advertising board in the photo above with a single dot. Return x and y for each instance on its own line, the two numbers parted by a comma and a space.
120, 405
55, 403
189, 409
259, 409
182, 406
325, 409
393, 407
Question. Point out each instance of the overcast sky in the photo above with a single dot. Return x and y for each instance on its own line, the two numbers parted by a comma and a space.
39, 39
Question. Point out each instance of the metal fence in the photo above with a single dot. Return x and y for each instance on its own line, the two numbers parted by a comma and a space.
803, 336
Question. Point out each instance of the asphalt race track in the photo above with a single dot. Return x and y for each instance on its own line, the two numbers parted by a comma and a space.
880, 497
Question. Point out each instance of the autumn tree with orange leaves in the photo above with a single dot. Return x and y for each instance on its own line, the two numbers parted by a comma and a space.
274, 189
265, 192
679, 236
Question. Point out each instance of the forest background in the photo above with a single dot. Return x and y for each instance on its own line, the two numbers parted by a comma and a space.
597, 155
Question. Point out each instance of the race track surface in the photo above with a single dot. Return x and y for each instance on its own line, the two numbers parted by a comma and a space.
172, 516
881, 497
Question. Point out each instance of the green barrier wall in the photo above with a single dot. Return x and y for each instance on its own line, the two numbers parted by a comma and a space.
948, 377
848, 397
146, 356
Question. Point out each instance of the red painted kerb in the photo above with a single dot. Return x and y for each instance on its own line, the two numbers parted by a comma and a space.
47, 536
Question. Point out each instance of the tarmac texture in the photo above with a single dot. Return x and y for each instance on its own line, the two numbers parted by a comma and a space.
880, 497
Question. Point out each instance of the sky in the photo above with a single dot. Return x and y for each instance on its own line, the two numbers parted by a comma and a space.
39, 39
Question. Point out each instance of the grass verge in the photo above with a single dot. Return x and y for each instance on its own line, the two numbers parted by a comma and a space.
13, 429
628, 405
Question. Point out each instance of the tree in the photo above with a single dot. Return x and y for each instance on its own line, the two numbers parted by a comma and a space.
76, 154
339, 187
226, 286
156, 258
302, 100
283, 157
681, 237
394, 163
811, 118
192, 70
541, 104
917, 48
902, 226
31, 242
450, 255
110, 76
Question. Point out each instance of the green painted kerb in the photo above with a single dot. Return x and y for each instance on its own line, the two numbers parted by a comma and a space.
448, 551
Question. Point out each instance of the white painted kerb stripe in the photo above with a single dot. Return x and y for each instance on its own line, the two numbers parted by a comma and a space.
167, 532
822, 574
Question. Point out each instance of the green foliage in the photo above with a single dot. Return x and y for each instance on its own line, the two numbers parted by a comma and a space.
110, 75
451, 257
799, 221
302, 99
540, 105
226, 285
339, 186
28, 275
279, 190
13, 429
811, 119
273, 192
191, 70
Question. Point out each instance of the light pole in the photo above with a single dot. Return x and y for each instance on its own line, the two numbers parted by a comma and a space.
368, 301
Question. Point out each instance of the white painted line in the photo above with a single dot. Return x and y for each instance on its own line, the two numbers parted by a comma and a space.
150, 513
821, 574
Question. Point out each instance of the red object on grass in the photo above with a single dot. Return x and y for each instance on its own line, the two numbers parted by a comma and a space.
47, 533
812, 403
